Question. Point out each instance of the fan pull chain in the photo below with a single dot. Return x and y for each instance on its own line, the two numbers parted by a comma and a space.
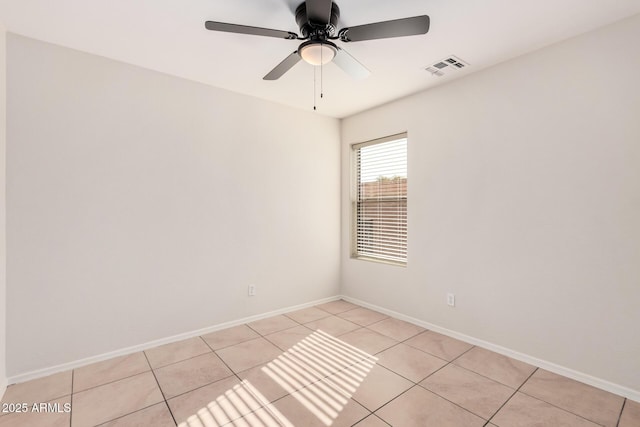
321, 75
314, 88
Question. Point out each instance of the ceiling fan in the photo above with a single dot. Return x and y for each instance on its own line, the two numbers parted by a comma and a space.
318, 20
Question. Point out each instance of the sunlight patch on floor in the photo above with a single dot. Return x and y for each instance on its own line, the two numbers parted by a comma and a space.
320, 371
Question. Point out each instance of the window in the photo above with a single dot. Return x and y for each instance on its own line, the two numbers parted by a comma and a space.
380, 200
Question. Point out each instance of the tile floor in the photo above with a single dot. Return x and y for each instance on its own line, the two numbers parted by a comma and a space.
334, 364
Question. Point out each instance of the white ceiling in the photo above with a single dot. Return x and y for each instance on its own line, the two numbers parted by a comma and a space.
169, 36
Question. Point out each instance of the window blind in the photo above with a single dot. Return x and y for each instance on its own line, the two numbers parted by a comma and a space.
380, 206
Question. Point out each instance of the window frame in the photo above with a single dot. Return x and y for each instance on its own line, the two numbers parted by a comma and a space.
354, 200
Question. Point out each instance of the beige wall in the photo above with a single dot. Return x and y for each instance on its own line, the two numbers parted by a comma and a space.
524, 201
141, 206
3, 206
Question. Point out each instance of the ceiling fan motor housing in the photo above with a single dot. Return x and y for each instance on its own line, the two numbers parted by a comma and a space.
317, 30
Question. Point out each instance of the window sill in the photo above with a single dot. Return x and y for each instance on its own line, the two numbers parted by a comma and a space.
379, 260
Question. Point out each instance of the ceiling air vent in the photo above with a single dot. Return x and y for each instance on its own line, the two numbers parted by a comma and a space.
443, 67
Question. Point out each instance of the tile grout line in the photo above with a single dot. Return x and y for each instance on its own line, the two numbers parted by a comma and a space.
376, 416
254, 330
355, 306
486, 377
382, 320
323, 377
426, 353
160, 388
268, 404
558, 407
386, 403
450, 401
131, 413
274, 332
433, 373
462, 354
114, 381
238, 377
124, 378
363, 418
178, 361
411, 381
277, 346
550, 403
227, 346
439, 357
513, 394
624, 403
471, 370
202, 386
399, 341
360, 324
453, 403
302, 323
234, 374
385, 367
225, 363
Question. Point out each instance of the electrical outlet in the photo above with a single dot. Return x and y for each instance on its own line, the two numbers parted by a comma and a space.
451, 300
252, 290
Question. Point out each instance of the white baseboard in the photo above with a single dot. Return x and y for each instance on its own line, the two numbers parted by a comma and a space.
133, 349
549, 366
552, 367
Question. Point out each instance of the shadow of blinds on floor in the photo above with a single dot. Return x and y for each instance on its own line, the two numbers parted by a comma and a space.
320, 371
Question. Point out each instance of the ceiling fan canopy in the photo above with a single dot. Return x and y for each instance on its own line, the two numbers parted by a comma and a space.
318, 23
320, 20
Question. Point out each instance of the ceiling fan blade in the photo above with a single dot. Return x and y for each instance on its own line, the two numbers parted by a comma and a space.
245, 29
350, 65
383, 30
283, 67
319, 11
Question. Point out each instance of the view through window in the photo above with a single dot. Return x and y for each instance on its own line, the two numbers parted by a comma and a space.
380, 200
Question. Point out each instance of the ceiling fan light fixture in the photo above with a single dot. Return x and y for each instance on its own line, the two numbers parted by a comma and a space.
317, 53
